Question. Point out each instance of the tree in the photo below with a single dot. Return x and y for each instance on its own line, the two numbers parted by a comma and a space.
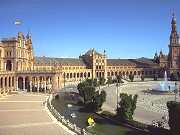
95, 82
102, 81
142, 77
127, 107
109, 81
131, 77
174, 76
81, 86
92, 100
99, 99
88, 93
89, 81
155, 76
119, 77
174, 116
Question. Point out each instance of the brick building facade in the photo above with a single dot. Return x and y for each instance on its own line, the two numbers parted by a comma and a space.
20, 69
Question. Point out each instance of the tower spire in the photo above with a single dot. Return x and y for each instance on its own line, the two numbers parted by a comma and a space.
28, 35
174, 35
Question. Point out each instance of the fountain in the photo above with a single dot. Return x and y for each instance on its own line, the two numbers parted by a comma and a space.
164, 86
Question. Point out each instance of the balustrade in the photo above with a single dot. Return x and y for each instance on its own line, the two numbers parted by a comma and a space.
61, 118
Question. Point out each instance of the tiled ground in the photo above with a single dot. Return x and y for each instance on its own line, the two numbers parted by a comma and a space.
48, 129
20, 106
23, 117
149, 106
24, 114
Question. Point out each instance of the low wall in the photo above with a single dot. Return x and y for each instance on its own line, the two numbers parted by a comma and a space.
62, 119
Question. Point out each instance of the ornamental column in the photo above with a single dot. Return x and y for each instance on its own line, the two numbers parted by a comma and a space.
4, 87
12, 67
38, 85
23, 84
17, 84
45, 85
0, 84
30, 83
4, 66
54, 82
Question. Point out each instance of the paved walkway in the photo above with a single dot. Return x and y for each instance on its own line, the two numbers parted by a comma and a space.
24, 114
149, 106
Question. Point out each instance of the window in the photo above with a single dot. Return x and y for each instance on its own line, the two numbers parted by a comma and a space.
138, 72
88, 74
108, 73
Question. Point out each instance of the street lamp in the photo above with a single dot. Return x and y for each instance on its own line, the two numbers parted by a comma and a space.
81, 76
117, 85
179, 91
85, 76
176, 90
64, 78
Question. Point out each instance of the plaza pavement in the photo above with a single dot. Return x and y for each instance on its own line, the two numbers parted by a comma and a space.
149, 106
25, 114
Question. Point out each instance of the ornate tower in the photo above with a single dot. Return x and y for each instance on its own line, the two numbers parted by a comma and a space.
174, 48
30, 52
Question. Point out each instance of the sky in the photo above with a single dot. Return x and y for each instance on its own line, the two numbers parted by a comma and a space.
69, 28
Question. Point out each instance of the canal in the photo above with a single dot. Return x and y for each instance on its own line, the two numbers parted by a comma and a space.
102, 126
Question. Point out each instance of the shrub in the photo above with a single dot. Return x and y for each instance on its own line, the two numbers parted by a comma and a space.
174, 76
108, 114
81, 100
142, 77
138, 125
155, 76
131, 77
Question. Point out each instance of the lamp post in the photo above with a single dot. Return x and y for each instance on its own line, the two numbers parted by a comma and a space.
64, 78
176, 90
179, 91
85, 75
117, 85
81, 75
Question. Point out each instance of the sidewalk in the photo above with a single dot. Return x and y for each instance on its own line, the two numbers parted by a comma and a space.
24, 114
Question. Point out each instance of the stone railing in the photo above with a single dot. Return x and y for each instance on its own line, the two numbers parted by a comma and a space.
61, 118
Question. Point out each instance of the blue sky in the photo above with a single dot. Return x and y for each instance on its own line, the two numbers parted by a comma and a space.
68, 28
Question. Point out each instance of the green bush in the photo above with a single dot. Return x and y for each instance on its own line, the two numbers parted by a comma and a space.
109, 80
131, 77
108, 114
81, 100
174, 115
102, 81
138, 125
174, 76
155, 76
142, 77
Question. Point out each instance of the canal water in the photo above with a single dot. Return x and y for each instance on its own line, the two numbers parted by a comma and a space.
102, 126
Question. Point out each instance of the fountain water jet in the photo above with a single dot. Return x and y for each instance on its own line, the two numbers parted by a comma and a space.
164, 86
